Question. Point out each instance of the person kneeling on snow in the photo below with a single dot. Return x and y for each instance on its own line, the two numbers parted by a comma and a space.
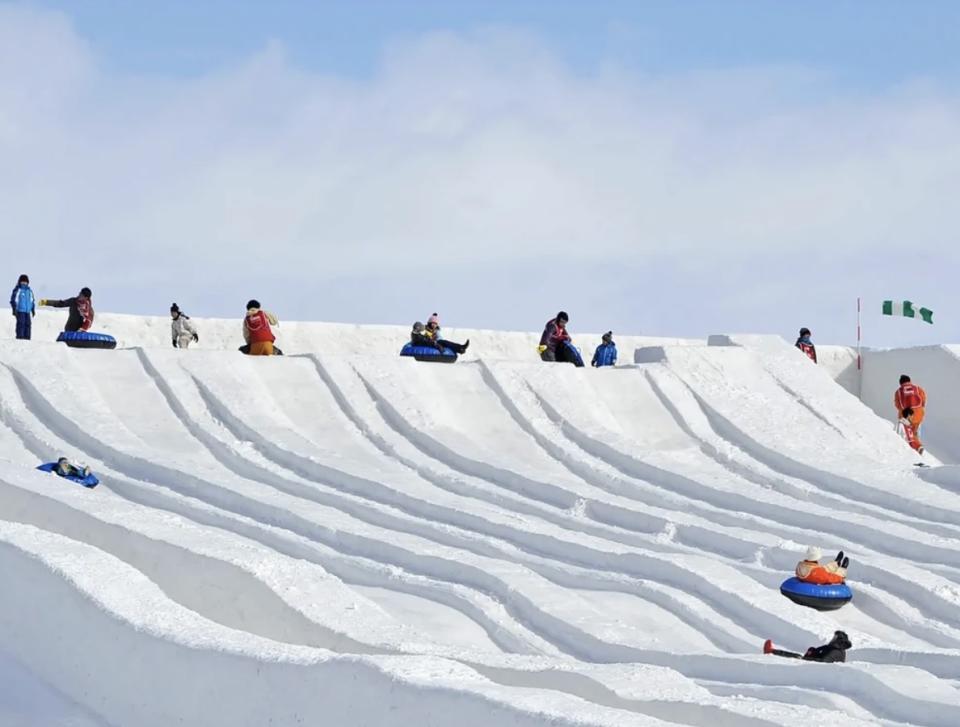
433, 332
606, 353
908, 430
830, 653
65, 469
810, 570
256, 329
181, 328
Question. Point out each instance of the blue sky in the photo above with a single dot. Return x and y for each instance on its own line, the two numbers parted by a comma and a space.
671, 168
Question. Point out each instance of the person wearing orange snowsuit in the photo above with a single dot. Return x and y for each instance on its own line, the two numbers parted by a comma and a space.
256, 329
810, 570
910, 396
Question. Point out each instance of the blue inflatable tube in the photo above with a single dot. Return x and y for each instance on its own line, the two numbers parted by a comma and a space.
84, 339
90, 480
429, 353
823, 598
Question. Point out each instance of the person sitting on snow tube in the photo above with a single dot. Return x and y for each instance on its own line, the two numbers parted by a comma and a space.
80, 317
420, 337
809, 569
64, 468
432, 331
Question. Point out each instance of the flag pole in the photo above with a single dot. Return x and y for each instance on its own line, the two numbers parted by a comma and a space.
859, 358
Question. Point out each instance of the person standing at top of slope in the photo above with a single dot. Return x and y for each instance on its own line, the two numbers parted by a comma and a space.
256, 329
606, 353
909, 431
554, 336
810, 570
23, 306
80, 317
182, 328
806, 345
913, 397
432, 331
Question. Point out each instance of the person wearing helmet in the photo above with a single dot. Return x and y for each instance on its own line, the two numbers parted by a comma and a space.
806, 345
182, 328
257, 331
554, 336
810, 570
80, 316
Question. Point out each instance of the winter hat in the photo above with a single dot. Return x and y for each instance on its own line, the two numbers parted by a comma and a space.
174, 308
607, 336
562, 316
433, 319
23, 279
86, 292
841, 640
418, 327
253, 305
904, 379
804, 331
813, 553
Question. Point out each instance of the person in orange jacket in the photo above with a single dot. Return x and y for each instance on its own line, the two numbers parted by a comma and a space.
810, 570
256, 329
913, 397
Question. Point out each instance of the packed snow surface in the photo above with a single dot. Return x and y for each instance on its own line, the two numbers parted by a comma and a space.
340, 536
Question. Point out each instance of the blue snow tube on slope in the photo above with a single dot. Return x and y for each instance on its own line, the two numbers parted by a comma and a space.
429, 353
571, 354
90, 480
822, 598
84, 339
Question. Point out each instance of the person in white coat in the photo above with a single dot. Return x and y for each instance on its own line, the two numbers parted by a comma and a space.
182, 328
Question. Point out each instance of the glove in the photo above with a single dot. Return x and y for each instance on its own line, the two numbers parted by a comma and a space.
541, 348
196, 338
42, 301
175, 343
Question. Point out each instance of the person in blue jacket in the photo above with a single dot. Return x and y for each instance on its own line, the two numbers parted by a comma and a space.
23, 306
606, 353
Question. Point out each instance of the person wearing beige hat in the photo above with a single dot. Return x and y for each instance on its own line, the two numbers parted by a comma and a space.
810, 570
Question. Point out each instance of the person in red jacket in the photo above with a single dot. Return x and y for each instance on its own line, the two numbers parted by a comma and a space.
554, 336
913, 397
80, 316
256, 329
806, 345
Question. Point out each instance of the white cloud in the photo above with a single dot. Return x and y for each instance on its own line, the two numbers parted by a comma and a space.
462, 151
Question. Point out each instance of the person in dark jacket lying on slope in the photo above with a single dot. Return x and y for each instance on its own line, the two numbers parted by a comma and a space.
80, 317
835, 651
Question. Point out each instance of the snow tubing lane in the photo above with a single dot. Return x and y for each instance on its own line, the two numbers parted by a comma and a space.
83, 339
90, 480
428, 353
822, 598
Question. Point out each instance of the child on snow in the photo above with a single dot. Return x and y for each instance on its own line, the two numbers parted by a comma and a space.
23, 306
80, 317
432, 331
806, 345
810, 570
908, 430
65, 469
256, 329
606, 353
832, 652
181, 328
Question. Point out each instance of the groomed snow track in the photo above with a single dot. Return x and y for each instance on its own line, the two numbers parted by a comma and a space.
319, 539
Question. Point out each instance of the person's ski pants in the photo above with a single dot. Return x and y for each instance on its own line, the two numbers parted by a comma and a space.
917, 418
24, 325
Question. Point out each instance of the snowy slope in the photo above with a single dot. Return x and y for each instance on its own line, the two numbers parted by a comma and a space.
352, 538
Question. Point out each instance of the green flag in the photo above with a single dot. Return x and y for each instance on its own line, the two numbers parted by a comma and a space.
907, 310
